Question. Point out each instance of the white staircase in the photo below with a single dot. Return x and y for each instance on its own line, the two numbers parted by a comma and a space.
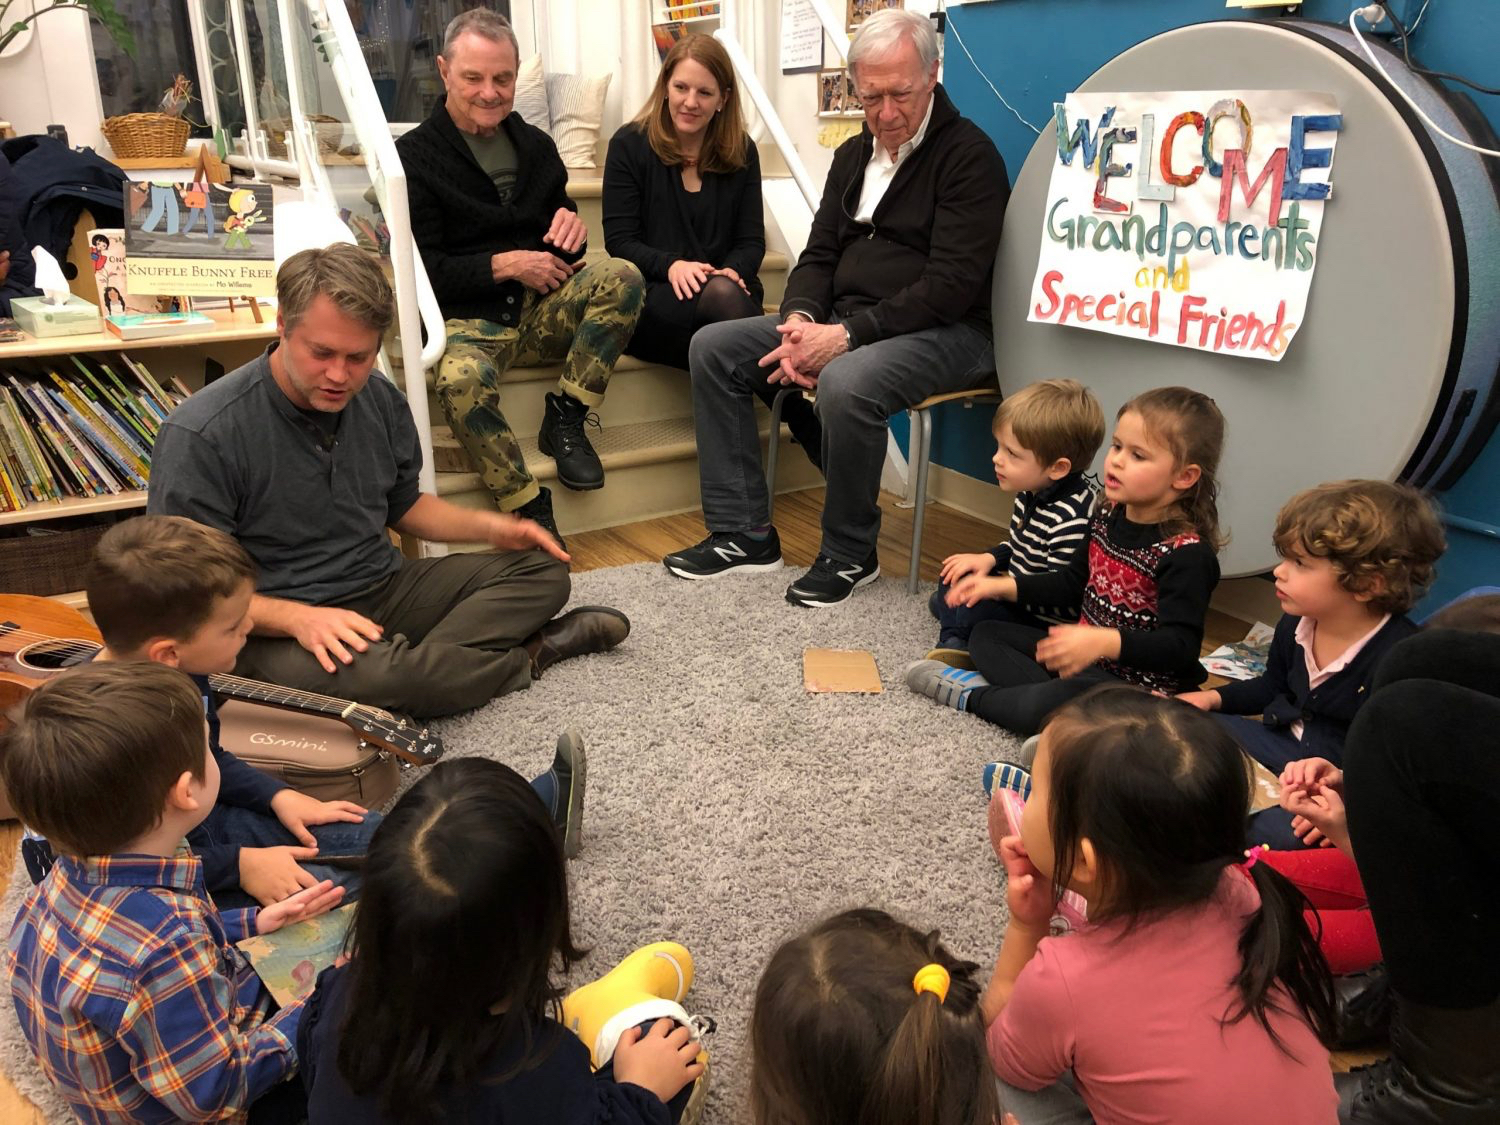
646, 442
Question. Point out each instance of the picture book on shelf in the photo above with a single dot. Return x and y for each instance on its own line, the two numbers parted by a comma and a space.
201, 238
140, 326
107, 253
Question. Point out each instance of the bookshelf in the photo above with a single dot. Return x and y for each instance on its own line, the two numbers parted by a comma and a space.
235, 339
232, 327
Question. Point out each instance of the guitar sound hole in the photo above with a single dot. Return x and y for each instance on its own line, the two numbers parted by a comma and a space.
55, 655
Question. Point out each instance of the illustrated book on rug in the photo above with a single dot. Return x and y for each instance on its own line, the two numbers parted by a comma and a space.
289, 960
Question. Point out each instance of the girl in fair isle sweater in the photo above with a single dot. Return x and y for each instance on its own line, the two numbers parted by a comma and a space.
1144, 581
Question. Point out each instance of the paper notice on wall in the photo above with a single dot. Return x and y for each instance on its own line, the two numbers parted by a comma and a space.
801, 37
1190, 219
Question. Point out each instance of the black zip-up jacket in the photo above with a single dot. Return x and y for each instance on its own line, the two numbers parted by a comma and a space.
928, 258
459, 222
1281, 695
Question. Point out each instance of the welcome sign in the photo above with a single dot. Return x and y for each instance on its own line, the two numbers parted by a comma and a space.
1187, 218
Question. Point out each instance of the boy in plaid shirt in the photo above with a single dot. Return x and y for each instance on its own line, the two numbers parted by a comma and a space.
125, 978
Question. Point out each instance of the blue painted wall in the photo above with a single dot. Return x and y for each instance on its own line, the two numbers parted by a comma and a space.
1036, 51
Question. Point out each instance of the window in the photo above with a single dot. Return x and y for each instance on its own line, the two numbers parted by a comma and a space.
401, 41
163, 50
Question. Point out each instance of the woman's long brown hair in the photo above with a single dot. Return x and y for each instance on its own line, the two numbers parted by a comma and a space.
724, 138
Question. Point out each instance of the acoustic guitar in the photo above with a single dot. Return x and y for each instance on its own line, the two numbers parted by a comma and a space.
40, 637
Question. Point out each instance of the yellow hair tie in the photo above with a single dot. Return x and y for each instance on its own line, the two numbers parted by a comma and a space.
932, 978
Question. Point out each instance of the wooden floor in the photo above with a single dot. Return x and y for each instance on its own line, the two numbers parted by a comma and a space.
797, 521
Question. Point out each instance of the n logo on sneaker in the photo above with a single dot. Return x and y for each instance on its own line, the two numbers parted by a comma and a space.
731, 551
853, 573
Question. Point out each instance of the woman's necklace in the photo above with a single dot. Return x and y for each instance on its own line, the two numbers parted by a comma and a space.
689, 161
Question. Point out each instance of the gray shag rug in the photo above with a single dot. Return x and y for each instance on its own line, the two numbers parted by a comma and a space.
728, 809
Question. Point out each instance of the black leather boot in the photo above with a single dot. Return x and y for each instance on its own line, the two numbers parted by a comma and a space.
539, 508
562, 438
1362, 1007
1444, 1069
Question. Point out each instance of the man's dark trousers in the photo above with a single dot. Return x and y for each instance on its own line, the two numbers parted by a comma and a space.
856, 395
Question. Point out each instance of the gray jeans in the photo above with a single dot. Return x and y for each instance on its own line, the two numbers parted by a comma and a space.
856, 395
453, 630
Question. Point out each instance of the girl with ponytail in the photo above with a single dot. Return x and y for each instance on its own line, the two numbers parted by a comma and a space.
865, 1019
1195, 991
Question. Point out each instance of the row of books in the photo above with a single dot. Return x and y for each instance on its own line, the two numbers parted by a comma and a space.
84, 430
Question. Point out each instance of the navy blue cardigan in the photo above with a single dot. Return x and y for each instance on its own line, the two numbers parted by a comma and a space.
1282, 696
645, 221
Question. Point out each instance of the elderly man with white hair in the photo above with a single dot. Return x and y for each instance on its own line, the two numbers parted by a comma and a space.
889, 303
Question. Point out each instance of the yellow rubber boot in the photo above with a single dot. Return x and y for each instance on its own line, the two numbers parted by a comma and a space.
650, 983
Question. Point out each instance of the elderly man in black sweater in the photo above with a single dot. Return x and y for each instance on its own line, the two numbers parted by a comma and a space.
503, 245
889, 304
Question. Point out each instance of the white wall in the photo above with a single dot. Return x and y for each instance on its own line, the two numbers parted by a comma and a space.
52, 81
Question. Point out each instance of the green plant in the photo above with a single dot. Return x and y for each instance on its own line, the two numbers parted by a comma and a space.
102, 10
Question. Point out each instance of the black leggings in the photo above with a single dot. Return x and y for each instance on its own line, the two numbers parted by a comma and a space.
1422, 784
667, 323
1022, 693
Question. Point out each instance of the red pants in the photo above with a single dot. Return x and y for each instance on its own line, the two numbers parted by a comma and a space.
1340, 913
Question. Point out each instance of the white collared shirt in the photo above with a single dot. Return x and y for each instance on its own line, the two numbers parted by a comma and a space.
882, 169
1307, 631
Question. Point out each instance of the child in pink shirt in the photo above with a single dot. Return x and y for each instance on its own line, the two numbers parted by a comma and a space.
1195, 991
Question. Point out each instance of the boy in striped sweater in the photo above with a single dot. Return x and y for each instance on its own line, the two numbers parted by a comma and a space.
1046, 435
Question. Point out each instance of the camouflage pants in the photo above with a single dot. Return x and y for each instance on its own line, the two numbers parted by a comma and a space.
585, 323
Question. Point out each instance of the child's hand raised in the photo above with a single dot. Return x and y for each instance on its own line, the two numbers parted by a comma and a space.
1311, 772
957, 567
663, 1060
305, 904
1319, 817
1028, 892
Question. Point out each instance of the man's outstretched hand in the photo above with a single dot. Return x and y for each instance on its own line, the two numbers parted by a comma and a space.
512, 533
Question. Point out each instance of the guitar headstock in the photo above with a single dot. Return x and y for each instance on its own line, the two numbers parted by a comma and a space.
414, 745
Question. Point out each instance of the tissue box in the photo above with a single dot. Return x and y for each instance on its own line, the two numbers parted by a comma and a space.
74, 317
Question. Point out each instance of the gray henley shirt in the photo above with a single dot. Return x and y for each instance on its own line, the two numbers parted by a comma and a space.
310, 506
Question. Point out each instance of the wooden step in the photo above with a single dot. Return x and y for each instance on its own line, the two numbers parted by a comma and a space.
638, 392
650, 470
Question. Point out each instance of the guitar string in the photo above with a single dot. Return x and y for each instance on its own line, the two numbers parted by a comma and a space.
75, 647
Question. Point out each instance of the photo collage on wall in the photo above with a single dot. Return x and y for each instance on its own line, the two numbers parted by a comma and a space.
836, 95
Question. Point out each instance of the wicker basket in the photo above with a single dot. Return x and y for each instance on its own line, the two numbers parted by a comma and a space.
134, 136
328, 130
53, 562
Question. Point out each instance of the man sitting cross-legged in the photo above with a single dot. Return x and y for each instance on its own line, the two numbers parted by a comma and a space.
307, 460
889, 304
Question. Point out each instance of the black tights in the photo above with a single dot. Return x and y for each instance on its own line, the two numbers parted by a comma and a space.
722, 299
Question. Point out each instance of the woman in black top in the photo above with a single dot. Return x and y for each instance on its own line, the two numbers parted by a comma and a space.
682, 202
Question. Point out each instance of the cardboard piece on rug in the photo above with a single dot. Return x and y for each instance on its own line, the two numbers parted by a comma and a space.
289, 960
1265, 787
840, 669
